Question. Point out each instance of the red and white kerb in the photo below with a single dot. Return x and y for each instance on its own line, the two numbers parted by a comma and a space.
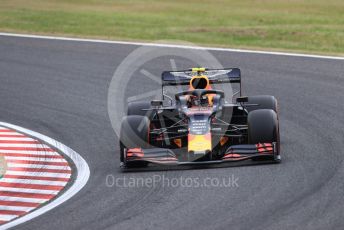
34, 173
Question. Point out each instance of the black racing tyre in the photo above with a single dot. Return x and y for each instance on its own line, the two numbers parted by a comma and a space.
263, 127
263, 101
139, 108
134, 134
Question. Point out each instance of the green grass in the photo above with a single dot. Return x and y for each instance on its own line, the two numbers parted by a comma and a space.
313, 26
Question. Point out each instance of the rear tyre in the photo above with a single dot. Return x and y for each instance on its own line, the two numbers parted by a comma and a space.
263, 101
134, 134
263, 127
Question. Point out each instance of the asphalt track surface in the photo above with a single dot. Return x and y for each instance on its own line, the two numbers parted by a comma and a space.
59, 88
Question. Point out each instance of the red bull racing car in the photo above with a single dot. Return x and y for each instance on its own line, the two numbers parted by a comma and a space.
200, 121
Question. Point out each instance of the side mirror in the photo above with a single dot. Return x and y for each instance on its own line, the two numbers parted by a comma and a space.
156, 103
242, 99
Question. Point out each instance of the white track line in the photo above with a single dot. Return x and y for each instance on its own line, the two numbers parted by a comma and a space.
82, 169
29, 190
28, 152
171, 46
16, 139
23, 199
36, 166
30, 181
35, 158
43, 174
38, 146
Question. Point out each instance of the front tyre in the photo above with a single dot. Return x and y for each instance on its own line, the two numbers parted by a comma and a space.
263, 127
134, 134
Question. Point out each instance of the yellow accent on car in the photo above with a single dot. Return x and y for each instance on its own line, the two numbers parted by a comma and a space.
199, 143
200, 69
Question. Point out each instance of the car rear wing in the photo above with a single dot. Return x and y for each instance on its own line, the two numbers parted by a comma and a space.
215, 76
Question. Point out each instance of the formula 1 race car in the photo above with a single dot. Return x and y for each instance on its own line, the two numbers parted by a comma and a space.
198, 121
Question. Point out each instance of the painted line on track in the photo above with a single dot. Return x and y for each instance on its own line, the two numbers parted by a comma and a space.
36, 174
171, 46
